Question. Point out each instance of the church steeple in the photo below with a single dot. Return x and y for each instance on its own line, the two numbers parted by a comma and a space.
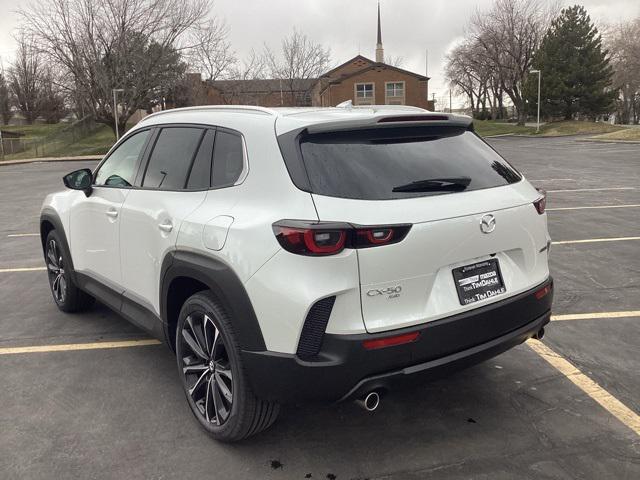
379, 49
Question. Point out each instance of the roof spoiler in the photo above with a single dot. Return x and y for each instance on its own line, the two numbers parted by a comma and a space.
387, 121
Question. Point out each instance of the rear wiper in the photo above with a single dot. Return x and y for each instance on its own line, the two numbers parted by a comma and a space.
455, 184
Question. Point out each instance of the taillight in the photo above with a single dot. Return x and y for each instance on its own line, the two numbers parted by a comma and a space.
329, 238
309, 241
541, 203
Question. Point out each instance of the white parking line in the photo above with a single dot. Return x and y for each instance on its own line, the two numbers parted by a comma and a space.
78, 346
591, 189
595, 240
607, 401
593, 207
23, 235
594, 315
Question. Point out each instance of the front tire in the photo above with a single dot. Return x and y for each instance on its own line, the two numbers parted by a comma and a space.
68, 297
212, 373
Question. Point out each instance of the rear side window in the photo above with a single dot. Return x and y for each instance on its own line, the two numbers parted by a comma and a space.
228, 159
394, 163
200, 175
171, 158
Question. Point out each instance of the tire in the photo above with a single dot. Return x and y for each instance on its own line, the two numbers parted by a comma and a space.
212, 373
68, 297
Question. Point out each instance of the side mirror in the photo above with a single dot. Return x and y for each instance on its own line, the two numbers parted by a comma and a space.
79, 180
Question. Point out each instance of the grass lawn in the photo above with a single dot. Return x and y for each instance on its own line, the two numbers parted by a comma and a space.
97, 142
487, 128
625, 133
575, 127
35, 130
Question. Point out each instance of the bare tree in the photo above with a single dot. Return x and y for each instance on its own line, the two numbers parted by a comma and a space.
394, 61
469, 76
210, 52
300, 59
5, 100
623, 42
26, 79
509, 34
132, 45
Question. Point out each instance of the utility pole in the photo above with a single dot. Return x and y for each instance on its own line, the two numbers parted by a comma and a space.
539, 75
450, 108
115, 110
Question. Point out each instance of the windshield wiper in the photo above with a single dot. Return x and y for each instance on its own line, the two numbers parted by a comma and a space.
454, 184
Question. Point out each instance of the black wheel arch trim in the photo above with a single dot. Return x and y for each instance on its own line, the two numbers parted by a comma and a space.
223, 283
49, 215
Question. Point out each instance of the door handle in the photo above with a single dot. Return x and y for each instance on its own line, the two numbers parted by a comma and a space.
112, 213
166, 226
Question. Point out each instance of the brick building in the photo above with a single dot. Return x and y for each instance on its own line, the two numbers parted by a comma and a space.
360, 79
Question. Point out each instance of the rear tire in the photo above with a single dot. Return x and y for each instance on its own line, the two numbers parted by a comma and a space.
68, 297
212, 373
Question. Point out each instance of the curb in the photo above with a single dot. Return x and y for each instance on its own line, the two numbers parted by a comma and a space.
610, 140
52, 159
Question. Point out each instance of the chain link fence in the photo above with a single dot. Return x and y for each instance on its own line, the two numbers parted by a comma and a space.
14, 145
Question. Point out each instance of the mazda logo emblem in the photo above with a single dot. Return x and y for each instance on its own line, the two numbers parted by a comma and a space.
488, 223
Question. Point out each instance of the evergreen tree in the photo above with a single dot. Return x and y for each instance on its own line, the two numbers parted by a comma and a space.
576, 75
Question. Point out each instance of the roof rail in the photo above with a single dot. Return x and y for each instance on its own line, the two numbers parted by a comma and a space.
219, 108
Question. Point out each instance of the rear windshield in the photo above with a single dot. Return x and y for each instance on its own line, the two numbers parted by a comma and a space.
385, 164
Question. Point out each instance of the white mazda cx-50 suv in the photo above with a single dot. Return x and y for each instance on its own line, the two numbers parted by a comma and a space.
304, 254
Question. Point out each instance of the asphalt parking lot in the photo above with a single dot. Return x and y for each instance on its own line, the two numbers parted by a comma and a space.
564, 409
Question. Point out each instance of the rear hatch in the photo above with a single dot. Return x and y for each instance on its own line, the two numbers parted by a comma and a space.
475, 238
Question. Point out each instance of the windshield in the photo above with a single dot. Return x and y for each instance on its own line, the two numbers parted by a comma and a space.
385, 164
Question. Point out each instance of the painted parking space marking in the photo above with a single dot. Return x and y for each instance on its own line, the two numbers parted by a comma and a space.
591, 189
610, 403
14, 235
594, 207
595, 315
595, 240
78, 346
27, 269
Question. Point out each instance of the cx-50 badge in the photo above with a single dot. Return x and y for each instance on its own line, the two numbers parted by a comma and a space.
393, 292
488, 223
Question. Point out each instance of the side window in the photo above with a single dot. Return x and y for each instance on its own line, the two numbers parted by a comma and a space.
119, 170
200, 175
228, 159
171, 158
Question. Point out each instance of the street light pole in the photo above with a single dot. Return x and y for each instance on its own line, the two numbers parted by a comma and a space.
539, 74
115, 110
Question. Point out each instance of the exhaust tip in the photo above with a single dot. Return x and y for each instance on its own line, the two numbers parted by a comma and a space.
370, 401
539, 334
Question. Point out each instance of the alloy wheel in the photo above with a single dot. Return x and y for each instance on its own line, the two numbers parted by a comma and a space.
206, 368
55, 269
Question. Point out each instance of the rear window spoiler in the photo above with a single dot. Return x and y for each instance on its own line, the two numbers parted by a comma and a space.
393, 121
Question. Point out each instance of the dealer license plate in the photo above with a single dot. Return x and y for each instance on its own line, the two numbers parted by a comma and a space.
479, 281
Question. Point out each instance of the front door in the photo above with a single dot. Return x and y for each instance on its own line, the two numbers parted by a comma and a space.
94, 221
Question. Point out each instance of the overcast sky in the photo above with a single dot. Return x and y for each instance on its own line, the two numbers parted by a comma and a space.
409, 27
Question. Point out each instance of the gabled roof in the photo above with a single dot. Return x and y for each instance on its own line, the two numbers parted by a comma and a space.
383, 65
351, 60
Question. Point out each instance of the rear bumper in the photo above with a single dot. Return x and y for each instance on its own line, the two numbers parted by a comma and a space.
344, 369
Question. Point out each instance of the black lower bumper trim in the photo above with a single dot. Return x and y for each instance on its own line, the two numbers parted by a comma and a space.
344, 369
451, 363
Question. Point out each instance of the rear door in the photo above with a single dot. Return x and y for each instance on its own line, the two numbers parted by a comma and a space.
475, 237
173, 184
